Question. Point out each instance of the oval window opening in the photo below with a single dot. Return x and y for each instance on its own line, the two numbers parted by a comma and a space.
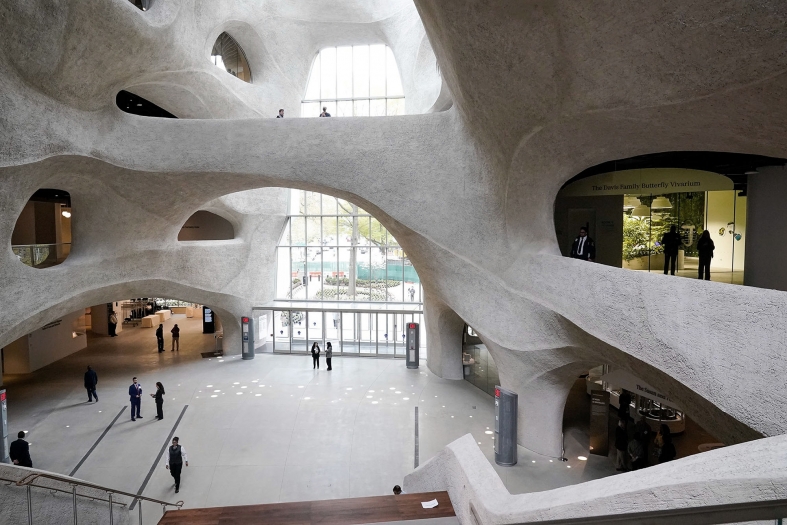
42, 234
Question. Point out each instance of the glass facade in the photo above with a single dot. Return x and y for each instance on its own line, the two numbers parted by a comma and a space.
354, 81
333, 251
646, 218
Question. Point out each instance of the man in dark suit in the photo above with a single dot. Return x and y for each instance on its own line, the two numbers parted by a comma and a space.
583, 248
135, 393
671, 242
20, 451
91, 380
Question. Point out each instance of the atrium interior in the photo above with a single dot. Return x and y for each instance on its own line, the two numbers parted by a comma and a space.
519, 259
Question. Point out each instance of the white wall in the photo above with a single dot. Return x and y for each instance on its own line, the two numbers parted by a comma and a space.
99, 318
720, 211
766, 214
44, 346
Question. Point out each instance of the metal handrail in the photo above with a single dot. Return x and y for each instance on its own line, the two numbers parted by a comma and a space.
704, 515
31, 477
28, 480
93, 498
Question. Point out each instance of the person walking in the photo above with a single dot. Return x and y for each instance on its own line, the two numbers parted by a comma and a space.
621, 446
281, 114
135, 393
19, 452
705, 248
671, 242
159, 397
160, 337
112, 324
325, 112
175, 338
175, 457
328, 355
583, 248
315, 356
91, 380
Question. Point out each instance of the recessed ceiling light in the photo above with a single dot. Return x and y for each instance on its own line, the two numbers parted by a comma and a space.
139, 105
582, 458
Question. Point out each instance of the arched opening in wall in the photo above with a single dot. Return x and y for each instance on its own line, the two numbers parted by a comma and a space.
206, 226
332, 251
42, 233
650, 213
354, 81
478, 366
142, 5
134, 104
229, 56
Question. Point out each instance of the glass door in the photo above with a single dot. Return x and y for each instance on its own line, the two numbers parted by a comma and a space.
349, 334
298, 331
281, 331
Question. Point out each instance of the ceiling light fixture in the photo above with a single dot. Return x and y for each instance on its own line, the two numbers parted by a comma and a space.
66, 214
661, 203
630, 202
751, 172
640, 211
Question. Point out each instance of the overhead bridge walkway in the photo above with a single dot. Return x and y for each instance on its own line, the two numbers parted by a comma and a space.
404, 509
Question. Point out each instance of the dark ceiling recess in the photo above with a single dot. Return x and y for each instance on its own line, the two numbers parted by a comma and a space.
52, 195
736, 166
144, 5
136, 105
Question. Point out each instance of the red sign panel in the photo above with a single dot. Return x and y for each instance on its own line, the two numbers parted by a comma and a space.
497, 392
2, 396
244, 319
412, 325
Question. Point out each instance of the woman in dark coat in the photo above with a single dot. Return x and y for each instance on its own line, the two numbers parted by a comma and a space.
159, 397
315, 356
705, 246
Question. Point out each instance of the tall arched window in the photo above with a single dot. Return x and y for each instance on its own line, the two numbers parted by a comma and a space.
354, 81
229, 56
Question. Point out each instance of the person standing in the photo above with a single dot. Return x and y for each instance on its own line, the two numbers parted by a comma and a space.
175, 338
325, 112
160, 337
159, 397
624, 405
667, 451
328, 355
175, 456
112, 324
705, 248
281, 114
315, 356
91, 380
135, 393
621, 446
411, 291
671, 242
583, 248
637, 452
19, 451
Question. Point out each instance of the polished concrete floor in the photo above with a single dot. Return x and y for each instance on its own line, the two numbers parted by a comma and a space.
267, 430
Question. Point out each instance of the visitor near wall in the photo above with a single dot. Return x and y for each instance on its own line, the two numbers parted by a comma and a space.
112, 324
621, 446
160, 337
19, 452
325, 112
315, 356
175, 457
175, 338
159, 398
135, 395
671, 242
281, 114
91, 380
705, 248
583, 248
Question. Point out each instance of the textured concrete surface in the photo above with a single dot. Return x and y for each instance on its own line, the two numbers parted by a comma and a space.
538, 92
721, 476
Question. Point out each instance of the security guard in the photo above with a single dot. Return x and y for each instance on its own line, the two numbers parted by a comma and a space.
583, 248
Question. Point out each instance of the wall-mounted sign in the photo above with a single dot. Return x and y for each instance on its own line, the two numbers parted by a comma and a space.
635, 385
651, 181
